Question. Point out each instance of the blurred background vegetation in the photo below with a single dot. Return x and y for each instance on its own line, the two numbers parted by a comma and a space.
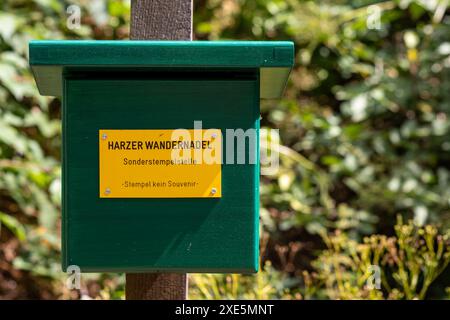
364, 139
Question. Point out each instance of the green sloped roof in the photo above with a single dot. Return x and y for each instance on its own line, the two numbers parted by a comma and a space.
274, 59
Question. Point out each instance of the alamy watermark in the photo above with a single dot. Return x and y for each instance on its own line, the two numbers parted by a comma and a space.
229, 146
74, 17
73, 281
374, 280
373, 21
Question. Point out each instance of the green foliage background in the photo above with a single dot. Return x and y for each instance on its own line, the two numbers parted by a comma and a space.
364, 144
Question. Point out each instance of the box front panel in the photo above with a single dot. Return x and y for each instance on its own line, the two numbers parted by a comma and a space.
157, 234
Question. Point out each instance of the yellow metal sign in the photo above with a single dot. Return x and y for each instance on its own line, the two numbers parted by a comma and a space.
160, 163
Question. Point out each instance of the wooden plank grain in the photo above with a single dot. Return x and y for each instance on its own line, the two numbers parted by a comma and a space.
156, 286
159, 20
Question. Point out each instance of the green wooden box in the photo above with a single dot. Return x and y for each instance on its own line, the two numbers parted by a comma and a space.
158, 85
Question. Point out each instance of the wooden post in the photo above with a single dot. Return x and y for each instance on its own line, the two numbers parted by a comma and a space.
159, 20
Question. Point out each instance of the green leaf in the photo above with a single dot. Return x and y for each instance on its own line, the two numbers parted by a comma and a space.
13, 225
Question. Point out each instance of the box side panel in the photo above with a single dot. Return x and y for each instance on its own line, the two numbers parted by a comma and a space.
137, 235
256, 175
64, 261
